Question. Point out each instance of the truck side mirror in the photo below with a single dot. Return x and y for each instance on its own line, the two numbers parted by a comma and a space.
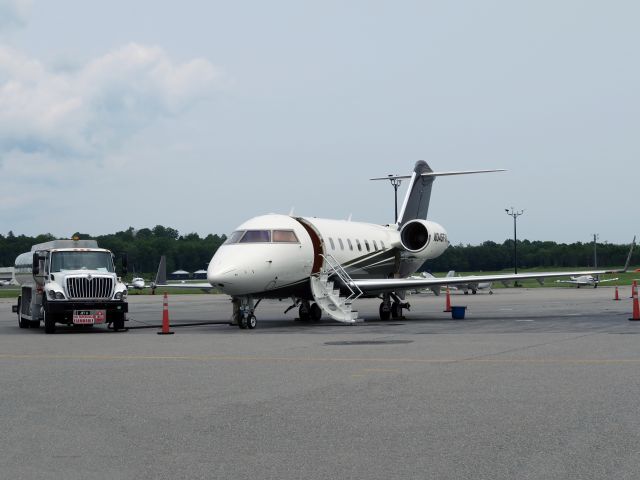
35, 268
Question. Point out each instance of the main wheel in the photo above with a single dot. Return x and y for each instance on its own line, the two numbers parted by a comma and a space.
49, 323
242, 322
474, 291
385, 313
315, 312
303, 313
34, 324
251, 321
396, 310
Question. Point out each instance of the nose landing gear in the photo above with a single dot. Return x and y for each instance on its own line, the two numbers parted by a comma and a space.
243, 313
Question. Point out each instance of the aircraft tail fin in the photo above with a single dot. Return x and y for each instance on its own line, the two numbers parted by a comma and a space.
452, 273
416, 201
633, 244
161, 275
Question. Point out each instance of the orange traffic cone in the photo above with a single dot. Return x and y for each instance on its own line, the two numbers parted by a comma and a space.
447, 307
165, 317
616, 296
636, 306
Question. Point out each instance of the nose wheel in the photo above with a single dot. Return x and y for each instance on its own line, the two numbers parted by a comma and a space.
243, 315
248, 321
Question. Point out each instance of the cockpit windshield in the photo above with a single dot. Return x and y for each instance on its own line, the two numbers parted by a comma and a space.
100, 261
234, 237
262, 236
256, 236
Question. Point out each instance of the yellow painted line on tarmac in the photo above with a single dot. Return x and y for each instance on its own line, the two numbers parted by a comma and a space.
249, 358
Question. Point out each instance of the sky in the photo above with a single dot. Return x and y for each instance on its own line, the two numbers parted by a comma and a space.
201, 114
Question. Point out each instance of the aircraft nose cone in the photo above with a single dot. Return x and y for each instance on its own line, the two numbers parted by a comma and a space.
220, 275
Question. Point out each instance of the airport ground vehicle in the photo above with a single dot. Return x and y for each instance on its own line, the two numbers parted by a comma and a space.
69, 282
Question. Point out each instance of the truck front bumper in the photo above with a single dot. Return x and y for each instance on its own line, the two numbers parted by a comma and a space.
69, 306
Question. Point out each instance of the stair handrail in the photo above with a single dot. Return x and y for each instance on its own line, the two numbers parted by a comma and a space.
339, 270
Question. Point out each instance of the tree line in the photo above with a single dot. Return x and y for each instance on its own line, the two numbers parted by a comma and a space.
492, 256
191, 252
142, 247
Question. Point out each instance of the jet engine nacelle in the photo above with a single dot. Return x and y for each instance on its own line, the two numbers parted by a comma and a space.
424, 237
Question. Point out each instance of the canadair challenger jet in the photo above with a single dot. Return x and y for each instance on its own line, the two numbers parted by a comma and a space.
324, 265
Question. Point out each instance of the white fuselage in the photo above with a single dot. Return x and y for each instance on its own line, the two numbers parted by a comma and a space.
585, 280
273, 256
138, 283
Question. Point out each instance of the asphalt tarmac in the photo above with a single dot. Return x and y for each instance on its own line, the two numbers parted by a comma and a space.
533, 384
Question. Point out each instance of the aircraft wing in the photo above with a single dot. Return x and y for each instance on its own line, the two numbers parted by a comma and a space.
607, 280
375, 286
190, 285
393, 284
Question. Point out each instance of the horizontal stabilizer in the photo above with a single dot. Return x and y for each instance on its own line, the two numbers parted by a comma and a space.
438, 174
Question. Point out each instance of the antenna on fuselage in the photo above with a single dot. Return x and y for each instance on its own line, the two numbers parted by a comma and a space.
291, 211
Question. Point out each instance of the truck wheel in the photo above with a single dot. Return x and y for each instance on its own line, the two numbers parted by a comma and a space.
23, 322
49, 323
118, 323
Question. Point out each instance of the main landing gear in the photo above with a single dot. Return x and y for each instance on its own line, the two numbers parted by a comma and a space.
392, 309
243, 313
309, 312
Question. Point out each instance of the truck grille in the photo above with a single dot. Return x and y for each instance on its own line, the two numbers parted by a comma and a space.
96, 287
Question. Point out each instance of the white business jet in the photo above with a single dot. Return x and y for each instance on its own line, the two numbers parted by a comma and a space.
324, 265
586, 281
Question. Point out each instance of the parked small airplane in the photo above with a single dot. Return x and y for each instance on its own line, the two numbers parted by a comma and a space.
473, 286
139, 283
4, 283
586, 280
437, 289
324, 265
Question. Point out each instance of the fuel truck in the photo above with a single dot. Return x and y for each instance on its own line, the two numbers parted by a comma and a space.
71, 282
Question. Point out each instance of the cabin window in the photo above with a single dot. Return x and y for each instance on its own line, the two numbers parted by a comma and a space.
341, 244
359, 245
375, 246
256, 236
366, 244
285, 236
382, 243
350, 244
333, 245
234, 237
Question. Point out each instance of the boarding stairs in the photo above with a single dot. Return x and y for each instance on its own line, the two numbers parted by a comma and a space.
330, 299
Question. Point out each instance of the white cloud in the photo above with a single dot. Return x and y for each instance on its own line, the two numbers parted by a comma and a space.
13, 13
92, 110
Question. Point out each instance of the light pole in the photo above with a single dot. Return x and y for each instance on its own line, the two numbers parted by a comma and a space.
515, 214
595, 251
395, 182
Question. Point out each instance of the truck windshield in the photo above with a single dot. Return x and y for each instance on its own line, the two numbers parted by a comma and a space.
100, 261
